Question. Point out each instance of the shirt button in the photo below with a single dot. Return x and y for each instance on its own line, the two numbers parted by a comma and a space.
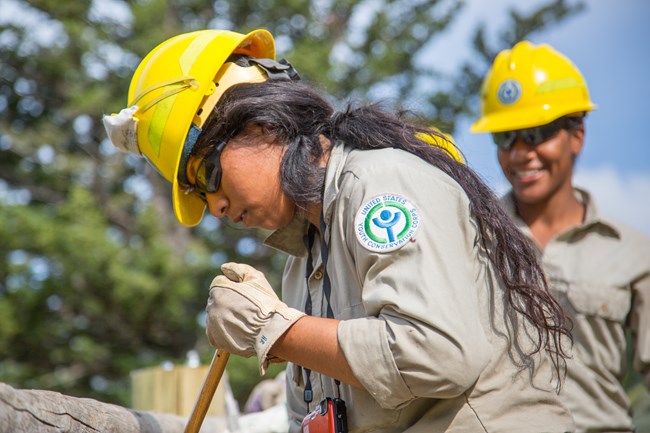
318, 275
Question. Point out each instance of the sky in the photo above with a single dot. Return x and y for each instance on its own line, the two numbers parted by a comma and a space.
610, 43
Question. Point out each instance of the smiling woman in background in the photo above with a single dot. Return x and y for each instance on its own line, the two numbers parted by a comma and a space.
534, 101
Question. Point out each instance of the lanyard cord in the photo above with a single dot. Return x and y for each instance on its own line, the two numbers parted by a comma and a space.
327, 290
327, 285
309, 243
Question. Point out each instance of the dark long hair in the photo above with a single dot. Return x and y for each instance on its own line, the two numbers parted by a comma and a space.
297, 115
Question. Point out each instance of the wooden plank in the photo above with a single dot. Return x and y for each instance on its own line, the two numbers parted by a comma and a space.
173, 391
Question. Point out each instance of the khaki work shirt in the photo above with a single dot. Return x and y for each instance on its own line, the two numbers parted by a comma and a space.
422, 326
600, 273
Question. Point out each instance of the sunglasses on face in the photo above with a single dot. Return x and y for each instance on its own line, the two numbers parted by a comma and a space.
207, 174
534, 136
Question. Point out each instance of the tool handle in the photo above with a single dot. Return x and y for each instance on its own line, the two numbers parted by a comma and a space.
217, 367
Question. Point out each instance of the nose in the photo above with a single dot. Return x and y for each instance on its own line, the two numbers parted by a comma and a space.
217, 204
520, 150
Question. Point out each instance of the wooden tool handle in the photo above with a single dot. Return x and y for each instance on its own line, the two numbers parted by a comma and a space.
217, 367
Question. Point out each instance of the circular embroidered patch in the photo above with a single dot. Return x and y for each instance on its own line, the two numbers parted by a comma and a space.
386, 223
509, 92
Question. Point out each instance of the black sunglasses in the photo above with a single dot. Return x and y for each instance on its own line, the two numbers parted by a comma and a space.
534, 136
207, 174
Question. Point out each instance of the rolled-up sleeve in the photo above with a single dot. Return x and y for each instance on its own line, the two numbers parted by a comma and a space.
423, 336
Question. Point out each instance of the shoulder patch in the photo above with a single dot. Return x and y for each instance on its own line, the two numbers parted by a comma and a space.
386, 223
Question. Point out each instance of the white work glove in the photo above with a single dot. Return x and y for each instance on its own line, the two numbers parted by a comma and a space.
245, 316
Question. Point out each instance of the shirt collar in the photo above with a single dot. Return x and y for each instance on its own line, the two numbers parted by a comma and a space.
335, 165
289, 239
593, 218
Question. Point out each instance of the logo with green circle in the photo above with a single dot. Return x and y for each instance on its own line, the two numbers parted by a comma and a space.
386, 223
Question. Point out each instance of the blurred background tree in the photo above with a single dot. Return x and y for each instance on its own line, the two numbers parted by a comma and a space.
96, 276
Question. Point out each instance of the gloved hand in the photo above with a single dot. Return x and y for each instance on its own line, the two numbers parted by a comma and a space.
245, 316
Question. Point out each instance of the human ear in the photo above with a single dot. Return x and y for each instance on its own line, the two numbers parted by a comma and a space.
577, 139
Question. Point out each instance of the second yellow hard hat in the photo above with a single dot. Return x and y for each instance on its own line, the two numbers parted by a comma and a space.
530, 85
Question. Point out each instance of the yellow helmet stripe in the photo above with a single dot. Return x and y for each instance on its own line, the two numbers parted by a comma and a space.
159, 121
193, 51
163, 103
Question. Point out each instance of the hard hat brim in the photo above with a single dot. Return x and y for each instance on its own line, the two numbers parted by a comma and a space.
188, 208
505, 121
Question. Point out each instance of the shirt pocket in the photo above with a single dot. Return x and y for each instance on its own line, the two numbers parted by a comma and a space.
593, 299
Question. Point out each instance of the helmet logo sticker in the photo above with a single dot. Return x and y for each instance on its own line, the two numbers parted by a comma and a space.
509, 92
386, 223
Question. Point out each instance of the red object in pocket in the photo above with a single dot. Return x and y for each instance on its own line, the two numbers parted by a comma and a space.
328, 417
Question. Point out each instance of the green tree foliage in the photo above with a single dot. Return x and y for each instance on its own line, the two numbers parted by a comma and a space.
96, 276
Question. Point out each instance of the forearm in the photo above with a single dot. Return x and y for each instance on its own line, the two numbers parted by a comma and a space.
312, 342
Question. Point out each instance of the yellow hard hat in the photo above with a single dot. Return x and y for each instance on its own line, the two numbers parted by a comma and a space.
174, 90
530, 85
446, 142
